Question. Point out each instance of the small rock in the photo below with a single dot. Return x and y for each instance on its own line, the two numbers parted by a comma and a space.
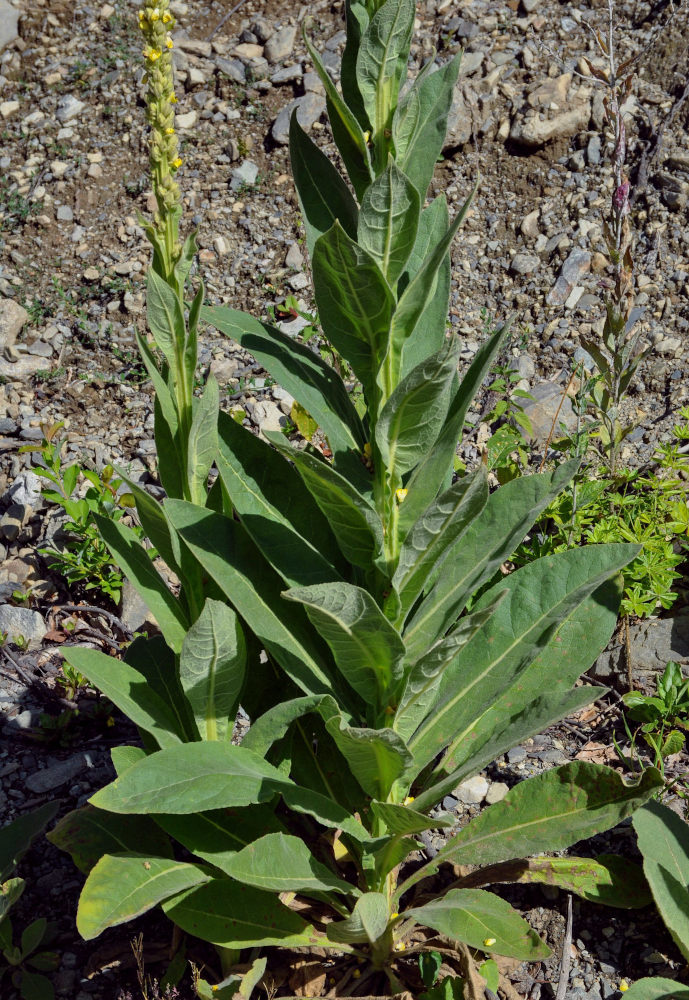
20, 723
529, 225
64, 214
9, 23
91, 274
497, 792
309, 109
188, 120
542, 408
516, 755
8, 108
22, 623
294, 258
524, 263
246, 173
287, 74
472, 791
552, 92
52, 777
268, 416
593, 148
232, 68
470, 63
197, 46
12, 521
26, 490
135, 613
12, 319
536, 131
222, 246
279, 46
248, 51
69, 107
575, 267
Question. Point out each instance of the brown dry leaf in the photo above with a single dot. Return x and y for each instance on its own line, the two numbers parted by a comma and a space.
308, 978
55, 635
597, 753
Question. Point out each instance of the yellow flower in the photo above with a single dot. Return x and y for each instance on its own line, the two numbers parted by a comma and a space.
172, 99
400, 946
394, 915
177, 163
169, 131
401, 494
166, 18
408, 801
154, 54
489, 941
169, 43
155, 14
624, 985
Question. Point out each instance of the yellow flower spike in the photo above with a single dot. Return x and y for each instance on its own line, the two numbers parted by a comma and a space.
624, 985
408, 801
401, 494
489, 941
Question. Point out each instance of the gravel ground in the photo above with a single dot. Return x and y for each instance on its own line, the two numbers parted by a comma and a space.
72, 262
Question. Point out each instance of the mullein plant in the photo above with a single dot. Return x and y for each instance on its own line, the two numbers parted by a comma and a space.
326, 590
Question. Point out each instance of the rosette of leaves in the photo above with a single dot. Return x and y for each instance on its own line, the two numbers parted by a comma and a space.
333, 595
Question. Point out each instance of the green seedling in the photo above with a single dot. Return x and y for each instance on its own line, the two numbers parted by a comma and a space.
661, 713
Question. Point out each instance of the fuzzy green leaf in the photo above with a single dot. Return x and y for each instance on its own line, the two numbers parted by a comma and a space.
203, 440
367, 923
88, 833
122, 886
282, 863
382, 60
664, 842
388, 221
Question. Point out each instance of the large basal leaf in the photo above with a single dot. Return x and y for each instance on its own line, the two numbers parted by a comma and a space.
347, 132
489, 540
353, 520
202, 446
212, 667
435, 470
366, 648
230, 557
420, 123
541, 695
388, 221
154, 659
368, 921
284, 864
382, 60
323, 194
537, 599
608, 879
354, 301
87, 834
312, 382
122, 886
664, 842
481, 920
232, 915
549, 813
414, 414
657, 988
132, 558
201, 776
17, 837
431, 537
216, 836
130, 691
276, 508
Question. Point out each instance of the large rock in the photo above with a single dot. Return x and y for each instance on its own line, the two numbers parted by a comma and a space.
23, 624
279, 46
9, 23
653, 643
12, 319
536, 131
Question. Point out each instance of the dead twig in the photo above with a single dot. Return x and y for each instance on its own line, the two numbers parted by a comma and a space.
566, 955
224, 19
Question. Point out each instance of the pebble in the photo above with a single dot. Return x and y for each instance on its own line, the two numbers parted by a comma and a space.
244, 175
9, 23
12, 320
309, 109
577, 264
25, 490
280, 45
69, 107
187, 120
524, 263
